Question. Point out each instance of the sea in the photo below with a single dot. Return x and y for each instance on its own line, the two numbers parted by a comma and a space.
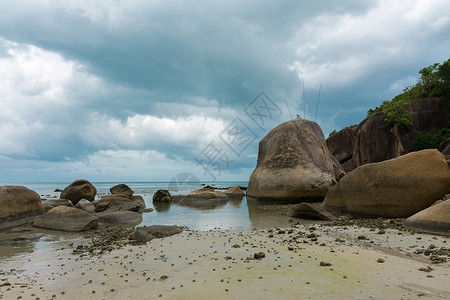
235, 214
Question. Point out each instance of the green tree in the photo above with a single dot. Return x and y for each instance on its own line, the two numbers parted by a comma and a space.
434, 81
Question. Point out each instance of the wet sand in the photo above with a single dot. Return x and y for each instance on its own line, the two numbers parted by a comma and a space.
322, 262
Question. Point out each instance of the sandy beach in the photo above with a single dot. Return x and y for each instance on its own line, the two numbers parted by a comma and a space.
303, 262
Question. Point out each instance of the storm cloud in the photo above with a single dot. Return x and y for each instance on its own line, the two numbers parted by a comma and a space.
136, 90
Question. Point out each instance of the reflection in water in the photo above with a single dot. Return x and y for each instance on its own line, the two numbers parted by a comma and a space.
228, 214
161, 206
29, 239
235, 201
265, 218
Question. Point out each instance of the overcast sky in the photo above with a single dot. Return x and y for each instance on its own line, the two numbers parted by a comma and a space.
145, 90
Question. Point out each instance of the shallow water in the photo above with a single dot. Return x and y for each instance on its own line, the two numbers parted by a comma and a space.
234, 214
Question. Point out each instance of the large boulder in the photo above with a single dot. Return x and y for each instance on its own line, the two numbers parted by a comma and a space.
119, 217
122, 189
435, 219
79, 189
17, 205
398, 187
294, 164
66, 219
161, 196
119, 202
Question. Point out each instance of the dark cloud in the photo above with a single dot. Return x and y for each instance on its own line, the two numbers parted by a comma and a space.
106, 68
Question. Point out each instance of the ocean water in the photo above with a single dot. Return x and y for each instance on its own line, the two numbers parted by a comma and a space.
235, 214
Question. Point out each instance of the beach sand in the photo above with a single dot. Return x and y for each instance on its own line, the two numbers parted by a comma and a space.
214, 265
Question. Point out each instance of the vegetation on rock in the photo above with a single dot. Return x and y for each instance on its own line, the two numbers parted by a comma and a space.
430, 140
433, 82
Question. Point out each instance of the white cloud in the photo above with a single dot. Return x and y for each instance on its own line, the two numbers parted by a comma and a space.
340, 49
48, 101
142, 131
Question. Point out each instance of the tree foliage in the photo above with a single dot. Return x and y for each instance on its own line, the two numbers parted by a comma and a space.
430, 140
434, 81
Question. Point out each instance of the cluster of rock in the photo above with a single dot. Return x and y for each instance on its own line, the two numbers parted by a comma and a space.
295, 164
76, 210
375, 140
207, 197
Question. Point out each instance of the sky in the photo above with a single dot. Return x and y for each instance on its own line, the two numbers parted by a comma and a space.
143, 90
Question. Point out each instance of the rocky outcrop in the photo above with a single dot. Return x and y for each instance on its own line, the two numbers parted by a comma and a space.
435, 219
66, 219
234, 192
398, 187
79, 189
311, 212
119, 202
161, 196
294, 164
341, 144
85, 205
17, 205
122, 189
376, 140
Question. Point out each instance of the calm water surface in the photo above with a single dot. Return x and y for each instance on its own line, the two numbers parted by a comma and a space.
234, 214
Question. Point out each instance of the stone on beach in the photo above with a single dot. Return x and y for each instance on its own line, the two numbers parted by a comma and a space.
17, 205
294, 163
435, 219
399, 187
79, 189
141, 236
85, 205
122, 189
161, 196
160, 231
119, 217
66, 219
